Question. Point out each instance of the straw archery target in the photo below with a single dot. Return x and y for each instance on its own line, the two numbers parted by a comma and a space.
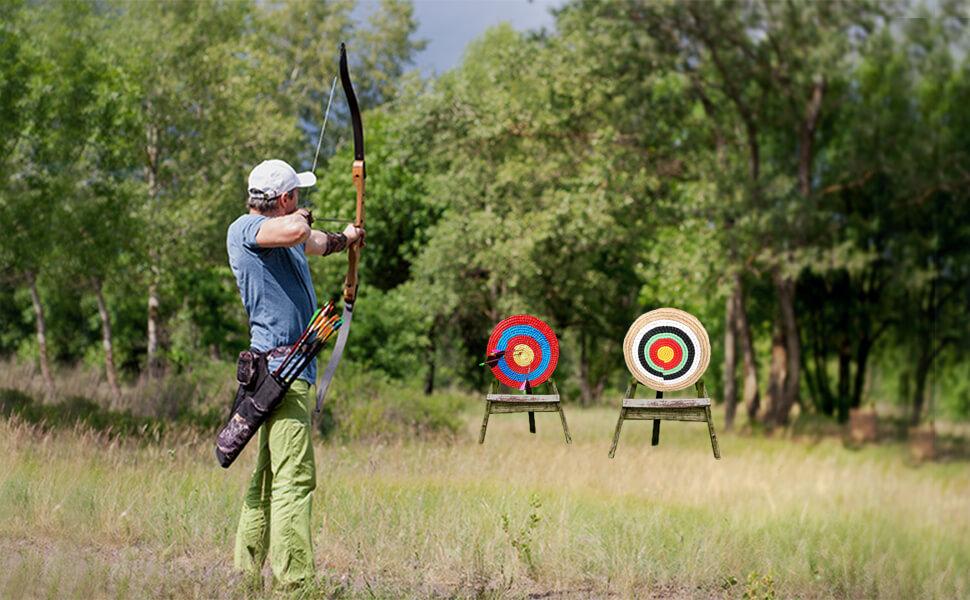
531, 351
667, 349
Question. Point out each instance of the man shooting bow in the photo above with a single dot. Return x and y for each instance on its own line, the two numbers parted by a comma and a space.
267, 253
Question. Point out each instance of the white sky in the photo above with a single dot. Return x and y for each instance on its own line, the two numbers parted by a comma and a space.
448, 25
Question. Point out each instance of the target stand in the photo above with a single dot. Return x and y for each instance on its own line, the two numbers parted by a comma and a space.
522, 353
658, 409
527, 402
666, 349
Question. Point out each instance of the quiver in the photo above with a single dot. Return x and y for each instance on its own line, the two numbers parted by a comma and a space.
258, 394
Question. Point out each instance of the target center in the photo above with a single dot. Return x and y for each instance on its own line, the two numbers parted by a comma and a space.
522, 355
666, 354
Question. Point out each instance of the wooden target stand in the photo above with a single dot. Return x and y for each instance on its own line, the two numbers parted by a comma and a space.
658, 409
527, 401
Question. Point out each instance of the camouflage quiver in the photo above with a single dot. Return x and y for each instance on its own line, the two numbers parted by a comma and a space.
258, 394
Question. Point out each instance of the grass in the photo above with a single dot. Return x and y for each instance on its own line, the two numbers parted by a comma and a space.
86, 515
361, 406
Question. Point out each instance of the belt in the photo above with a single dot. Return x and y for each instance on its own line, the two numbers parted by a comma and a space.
278, 352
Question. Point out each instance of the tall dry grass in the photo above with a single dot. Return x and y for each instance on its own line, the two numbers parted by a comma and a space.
87, 516
208, 387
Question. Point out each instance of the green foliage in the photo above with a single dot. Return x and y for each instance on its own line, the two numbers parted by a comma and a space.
399, 212
635, 156
76, 411
366, 405
521, 537
759, 587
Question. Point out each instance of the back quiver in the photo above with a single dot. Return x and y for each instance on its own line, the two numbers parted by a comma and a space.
258, 394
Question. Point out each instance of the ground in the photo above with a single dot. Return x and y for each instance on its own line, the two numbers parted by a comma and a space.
83, 515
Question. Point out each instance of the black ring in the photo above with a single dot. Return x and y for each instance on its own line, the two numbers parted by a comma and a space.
680, 335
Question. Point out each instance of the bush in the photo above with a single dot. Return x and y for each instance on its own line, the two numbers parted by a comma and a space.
367, 405
362, 405
13, 401
75, 410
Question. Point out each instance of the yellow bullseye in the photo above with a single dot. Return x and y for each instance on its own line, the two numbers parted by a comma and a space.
665, 354
522, 355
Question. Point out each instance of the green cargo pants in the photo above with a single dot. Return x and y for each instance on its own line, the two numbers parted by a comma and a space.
276, 510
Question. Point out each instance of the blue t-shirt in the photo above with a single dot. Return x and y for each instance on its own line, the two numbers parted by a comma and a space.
275, 287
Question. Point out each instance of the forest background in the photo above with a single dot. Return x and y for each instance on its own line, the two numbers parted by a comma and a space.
795, 174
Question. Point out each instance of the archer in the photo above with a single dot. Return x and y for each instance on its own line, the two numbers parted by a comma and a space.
267, 253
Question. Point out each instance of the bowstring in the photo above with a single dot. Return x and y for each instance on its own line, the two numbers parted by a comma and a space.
326, 116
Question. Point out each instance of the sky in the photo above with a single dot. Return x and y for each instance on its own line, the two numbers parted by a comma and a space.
448, 25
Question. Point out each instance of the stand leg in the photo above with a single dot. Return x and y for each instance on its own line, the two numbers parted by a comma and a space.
631, 389
565, 428
488, 409
562, 415
616, 434
710, 429
532, 415
655, 438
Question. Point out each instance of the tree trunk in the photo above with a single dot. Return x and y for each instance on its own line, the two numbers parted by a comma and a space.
730, 361
819, 359
590, 386
927, 356
430, 360
777, 374
861, 366
585, 390
806, 150
793, 342
919, 390
45, 368
786, 376
151, 362
810, 382
749, 362
106, 340
598, 388
152, 161
845, 374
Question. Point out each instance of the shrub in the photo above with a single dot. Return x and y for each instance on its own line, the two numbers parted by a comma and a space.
13, 401
75, 410
367, 405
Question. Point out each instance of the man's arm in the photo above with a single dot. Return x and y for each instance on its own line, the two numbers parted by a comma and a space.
285, 231
321, 243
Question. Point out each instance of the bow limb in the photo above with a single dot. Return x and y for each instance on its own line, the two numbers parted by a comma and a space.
351, 282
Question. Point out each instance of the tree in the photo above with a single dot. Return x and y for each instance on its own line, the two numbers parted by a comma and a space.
536, 219
56, 99
207, 114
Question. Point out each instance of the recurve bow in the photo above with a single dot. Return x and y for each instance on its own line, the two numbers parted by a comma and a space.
353, 252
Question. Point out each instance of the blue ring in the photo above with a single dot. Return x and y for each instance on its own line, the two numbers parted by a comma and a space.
538, 337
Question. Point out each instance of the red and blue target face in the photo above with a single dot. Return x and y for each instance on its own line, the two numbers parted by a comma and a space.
531, 351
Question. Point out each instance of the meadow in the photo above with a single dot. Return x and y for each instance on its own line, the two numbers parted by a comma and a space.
89, 515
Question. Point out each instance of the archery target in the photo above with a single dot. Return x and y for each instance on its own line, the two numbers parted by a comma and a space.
531, 351
667, 349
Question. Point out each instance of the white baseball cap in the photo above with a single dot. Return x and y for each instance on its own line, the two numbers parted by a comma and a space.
271, 178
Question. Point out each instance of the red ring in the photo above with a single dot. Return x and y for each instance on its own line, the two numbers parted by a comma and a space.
536, 352
666, 364
544, 329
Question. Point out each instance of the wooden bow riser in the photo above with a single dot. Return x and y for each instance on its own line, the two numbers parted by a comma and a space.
353, 253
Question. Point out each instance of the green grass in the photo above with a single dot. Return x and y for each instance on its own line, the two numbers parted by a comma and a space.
90, 516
